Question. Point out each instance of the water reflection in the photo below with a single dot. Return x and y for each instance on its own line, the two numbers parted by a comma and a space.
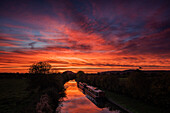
77, 102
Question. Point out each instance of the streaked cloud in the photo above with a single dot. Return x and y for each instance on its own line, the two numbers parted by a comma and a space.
85, 35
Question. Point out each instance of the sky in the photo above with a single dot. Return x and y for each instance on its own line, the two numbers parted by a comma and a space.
87, 35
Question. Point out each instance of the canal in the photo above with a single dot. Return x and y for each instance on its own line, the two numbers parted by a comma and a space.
77, 102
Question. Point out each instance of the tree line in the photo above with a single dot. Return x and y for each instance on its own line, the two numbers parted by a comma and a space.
149, 87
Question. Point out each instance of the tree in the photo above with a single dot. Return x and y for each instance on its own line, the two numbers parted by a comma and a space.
40, 68
80, 76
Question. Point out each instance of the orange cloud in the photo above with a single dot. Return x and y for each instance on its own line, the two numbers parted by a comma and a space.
94, 37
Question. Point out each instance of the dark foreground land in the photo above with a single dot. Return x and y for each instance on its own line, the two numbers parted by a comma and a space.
30, 93
14, 95
138, 91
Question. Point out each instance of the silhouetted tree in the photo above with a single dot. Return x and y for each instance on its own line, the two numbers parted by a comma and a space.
80, 76
40, 68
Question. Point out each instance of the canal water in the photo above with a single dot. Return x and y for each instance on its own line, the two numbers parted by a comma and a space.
77, 102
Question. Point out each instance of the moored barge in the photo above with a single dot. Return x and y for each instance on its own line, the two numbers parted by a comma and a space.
94, 92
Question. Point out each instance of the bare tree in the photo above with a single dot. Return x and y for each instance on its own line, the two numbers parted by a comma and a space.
40, 68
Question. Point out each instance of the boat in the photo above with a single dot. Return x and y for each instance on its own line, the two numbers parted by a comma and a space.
94, 92
91, 91
82, 85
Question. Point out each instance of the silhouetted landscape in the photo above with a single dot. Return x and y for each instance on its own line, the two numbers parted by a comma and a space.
42, 91
31, 93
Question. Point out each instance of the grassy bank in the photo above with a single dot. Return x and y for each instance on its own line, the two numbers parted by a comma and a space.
24, 94
14, 95
135, 106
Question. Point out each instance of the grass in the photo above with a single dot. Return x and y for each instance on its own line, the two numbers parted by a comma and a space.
133, 105
14, 96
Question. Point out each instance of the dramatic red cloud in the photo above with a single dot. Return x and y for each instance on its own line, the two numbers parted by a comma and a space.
91, 36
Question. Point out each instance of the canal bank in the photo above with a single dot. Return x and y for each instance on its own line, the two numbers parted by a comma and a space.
133, 105
109, 99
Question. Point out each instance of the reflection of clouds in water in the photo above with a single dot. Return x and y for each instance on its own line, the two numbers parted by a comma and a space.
76, 102
72, 100
81, 101
74, 95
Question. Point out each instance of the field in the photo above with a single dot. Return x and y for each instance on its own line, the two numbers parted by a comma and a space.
133, 105
14, 96
21, 93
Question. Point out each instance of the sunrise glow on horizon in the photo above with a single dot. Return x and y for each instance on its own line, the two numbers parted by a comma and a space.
88, 35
